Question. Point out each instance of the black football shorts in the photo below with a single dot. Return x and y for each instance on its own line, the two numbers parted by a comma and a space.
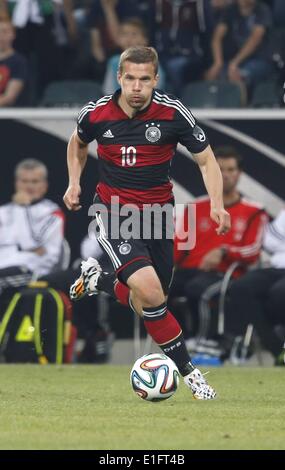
129, 253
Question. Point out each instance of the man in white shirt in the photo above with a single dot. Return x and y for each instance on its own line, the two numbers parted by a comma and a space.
258, 298
31, 227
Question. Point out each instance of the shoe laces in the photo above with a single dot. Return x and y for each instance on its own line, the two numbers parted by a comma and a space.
88, 264
199, 380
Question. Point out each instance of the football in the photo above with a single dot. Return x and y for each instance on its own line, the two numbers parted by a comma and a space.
154, 377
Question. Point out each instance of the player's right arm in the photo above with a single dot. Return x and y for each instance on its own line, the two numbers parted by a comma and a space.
77, 152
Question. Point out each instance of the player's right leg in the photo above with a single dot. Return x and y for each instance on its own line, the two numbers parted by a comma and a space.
164, 329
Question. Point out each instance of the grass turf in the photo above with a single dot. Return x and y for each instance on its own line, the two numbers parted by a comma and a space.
94, 407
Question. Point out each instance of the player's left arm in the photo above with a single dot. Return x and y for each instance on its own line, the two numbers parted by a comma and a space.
212, 177
195, 140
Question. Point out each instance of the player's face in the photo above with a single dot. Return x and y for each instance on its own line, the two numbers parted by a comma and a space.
32, 182
137, 82
230, 172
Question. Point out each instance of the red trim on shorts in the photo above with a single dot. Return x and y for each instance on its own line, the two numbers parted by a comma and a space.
132, 261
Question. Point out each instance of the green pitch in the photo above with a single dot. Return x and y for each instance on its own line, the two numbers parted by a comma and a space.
94, 407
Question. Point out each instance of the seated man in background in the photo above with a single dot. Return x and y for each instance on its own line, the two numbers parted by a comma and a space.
239, 44
258, 298
199, 272
13, 68
31, 227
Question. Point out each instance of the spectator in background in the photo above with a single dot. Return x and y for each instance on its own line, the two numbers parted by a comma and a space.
183, 32
199, 272
279, 13
31, 227
218, 7
65, 33
239, 44
13, 68
80, 12
131, 33
258, 298
37, 36
104, 19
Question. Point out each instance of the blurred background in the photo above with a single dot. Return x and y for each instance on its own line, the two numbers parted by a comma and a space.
225, 59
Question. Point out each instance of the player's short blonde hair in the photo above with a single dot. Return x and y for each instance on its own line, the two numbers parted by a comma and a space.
139, 55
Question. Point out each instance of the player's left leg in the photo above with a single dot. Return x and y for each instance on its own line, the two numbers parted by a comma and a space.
162, 257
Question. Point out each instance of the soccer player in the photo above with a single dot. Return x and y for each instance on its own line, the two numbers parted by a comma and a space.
137, 130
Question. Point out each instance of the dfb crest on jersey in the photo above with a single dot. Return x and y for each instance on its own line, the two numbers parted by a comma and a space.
124, 248
153, 133
199, 134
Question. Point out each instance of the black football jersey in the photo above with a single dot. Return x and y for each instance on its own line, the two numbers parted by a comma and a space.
135, 153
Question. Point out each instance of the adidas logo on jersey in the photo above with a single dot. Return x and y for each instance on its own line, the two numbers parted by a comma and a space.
108, 134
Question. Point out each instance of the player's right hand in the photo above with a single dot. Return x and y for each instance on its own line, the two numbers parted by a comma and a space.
71, 197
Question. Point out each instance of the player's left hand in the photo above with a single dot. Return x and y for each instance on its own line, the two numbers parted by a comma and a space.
222, 218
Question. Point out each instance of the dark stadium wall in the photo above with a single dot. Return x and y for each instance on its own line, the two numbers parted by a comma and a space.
260, 141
